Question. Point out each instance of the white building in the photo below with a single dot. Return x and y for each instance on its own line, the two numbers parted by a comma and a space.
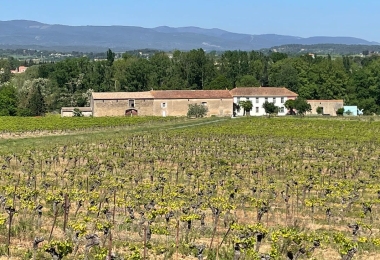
259, 95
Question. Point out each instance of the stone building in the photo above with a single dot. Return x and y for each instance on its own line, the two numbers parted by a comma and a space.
329, 107
176, 102
160, 102
121, 103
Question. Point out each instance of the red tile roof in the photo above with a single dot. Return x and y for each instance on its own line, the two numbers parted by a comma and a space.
263, 92
190, 94
122, 95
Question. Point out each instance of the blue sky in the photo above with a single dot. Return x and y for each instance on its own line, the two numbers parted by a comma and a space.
302, 18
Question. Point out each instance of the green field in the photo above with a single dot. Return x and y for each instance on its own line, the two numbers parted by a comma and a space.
221, 188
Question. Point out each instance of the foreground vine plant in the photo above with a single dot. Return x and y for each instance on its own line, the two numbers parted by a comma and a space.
252, 188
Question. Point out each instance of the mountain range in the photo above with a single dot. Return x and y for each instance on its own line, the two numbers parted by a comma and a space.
32, 34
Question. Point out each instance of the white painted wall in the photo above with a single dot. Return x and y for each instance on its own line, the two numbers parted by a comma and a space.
257, 102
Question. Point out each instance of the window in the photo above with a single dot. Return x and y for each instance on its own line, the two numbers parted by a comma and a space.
257, 109
131, 103
274, 100
237, 100
282, 100
246, 98
266, 99
257, 100
282, 110
204, 103
163, 105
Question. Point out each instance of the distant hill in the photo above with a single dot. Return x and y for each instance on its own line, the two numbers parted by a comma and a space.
31, 34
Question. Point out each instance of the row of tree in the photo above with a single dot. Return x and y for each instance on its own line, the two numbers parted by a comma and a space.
295, 106
70, 82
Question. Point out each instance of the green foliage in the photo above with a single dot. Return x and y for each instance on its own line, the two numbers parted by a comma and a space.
8, 100
319, 110
270, 108
301, 105
197, 111
77, 112
289, 104
52, 123
340, 111
110, 57
354, 79
220, 82
246, 105
36, 104
248, 81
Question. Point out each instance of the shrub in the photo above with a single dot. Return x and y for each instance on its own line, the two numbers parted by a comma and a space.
196, 110
77, 112
319, 110
340, 111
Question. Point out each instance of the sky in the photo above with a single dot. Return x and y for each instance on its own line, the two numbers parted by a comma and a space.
303, 18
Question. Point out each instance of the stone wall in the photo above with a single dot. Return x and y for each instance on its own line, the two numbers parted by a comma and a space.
329, 106
179, 107
118, 107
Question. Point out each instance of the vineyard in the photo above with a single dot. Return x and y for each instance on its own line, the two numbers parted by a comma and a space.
11, 124
246, 188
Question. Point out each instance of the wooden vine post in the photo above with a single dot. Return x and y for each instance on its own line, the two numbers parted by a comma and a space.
66, 214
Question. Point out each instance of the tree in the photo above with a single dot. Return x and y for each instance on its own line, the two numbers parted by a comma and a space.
283, 73
110, 57
301, 105
197, 111
248, 81
220, 82
36, 104
246, 105
289, 104
8, 100
270, 108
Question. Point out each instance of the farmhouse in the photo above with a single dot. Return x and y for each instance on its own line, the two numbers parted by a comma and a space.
328, 107
20, 69
259, 95
160, 102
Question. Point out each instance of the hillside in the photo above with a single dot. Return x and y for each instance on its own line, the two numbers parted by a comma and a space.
31, 34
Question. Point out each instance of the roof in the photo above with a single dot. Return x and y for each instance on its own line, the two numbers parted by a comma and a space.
263, 92
191, 94
122, 95
71, 109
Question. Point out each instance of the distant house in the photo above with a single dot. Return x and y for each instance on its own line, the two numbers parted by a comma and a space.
259, 95
69, 111
160, 102
329, 107
20, 69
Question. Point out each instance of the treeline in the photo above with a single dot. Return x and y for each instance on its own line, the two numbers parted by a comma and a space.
71, 81
325, 48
